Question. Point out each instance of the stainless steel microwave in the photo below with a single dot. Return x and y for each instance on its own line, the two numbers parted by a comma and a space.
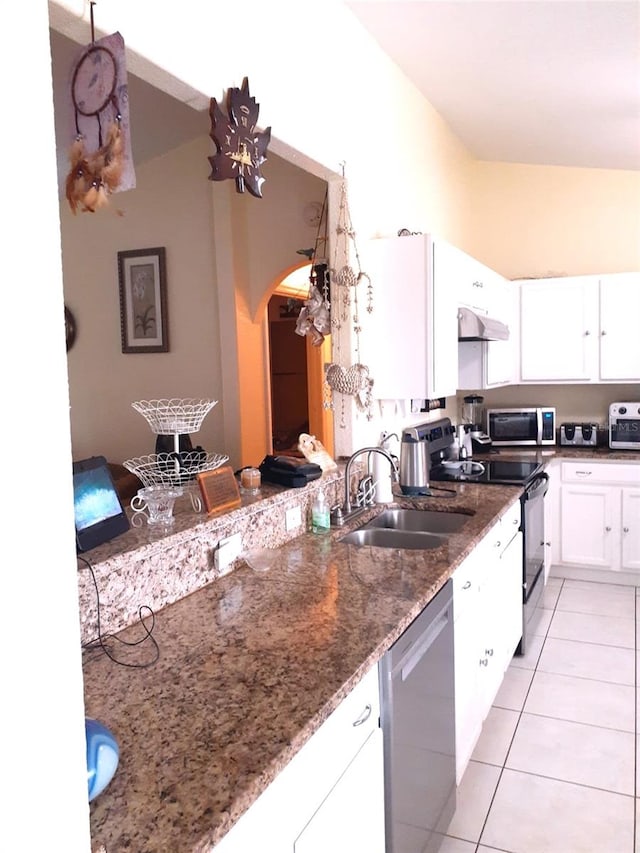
624, 426
526, 426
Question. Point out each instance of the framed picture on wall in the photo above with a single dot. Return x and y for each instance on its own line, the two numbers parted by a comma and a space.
142, 277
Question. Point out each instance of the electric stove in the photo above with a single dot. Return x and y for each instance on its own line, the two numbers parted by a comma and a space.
494, 471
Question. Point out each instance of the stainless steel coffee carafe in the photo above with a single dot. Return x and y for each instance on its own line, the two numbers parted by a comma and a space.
414, 465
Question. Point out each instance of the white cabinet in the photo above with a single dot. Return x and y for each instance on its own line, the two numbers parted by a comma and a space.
331, 794
410, 340
487, 594
558, 325
619, 313
600, 516
577, 329
347, 820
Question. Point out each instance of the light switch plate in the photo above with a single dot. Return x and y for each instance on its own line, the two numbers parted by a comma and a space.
228, 549
293, 518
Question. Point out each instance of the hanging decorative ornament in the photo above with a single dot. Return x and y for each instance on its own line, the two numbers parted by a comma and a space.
100, 156
354, 380
314, 319
241, 149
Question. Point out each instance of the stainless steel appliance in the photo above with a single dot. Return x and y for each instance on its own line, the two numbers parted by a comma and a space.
524, 426
416, 447
624, 426
473, 326
532, 477
418, 727
579, 435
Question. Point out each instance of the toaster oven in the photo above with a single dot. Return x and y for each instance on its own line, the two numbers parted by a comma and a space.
624, 426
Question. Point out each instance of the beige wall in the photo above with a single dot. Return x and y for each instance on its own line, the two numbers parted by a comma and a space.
532, 221
172, 207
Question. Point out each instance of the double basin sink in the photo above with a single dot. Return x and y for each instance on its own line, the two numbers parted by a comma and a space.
414, 529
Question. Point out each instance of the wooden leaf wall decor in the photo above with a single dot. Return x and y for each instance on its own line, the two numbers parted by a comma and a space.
241, 149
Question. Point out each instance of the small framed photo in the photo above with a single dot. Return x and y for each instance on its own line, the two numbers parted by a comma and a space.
142, 277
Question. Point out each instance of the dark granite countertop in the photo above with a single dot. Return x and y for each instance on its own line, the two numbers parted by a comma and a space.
250, 666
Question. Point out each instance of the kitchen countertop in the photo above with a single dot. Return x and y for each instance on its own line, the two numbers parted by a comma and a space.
251, 664
249, 668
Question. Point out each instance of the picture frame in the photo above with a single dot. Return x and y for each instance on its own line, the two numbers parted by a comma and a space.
142, 278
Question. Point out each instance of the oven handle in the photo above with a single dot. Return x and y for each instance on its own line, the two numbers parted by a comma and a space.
539, 483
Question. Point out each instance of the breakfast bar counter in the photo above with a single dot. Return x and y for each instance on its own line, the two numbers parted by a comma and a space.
249, 667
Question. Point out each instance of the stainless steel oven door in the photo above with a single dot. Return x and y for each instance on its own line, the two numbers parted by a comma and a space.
533, 546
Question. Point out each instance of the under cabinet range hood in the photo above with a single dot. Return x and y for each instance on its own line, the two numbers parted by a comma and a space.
478, 327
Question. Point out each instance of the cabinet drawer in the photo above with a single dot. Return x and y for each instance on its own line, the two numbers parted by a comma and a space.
510, 522
600, 472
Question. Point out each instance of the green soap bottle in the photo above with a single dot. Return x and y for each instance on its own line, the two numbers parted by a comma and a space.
320, 520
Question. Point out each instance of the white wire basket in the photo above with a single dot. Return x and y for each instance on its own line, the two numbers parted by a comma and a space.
169, 417
166, 469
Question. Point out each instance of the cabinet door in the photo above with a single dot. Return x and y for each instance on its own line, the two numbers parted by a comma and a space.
352, 815
467, 635
590, 533
559, 329
631, 529
410, 340
619, 313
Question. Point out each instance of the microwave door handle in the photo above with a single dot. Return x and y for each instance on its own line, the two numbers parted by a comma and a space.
539, 422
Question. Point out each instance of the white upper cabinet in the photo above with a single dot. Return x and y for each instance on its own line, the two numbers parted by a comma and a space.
410, 340
578, 329
619, 321
558, 329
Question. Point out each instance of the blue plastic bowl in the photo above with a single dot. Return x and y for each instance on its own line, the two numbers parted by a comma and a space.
102, 756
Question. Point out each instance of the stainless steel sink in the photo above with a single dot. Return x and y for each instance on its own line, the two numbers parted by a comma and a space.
385, 537
419, 521
416, 529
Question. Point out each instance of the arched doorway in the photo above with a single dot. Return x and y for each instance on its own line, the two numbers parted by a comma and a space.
296, 368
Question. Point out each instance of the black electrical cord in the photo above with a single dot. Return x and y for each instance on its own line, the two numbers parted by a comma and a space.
99, 642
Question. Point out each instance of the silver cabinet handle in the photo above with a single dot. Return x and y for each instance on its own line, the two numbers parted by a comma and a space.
488, 653
625, 529
484, 662
603, 332
467, 585
497, 544
477, 284
516, 521
608, 529
587, 333
548, 544
364, 716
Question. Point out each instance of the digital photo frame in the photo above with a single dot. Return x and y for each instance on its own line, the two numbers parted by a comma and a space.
99, 515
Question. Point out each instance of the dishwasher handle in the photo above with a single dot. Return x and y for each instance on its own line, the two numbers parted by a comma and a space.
417, 650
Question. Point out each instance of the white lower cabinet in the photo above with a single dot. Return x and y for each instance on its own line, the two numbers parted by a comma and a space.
331, 794
600, 516
487, 596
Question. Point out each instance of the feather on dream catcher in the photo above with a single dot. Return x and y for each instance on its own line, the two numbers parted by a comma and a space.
100, 156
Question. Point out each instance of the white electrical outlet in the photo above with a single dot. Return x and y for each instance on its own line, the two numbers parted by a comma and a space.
293, 518
228, 549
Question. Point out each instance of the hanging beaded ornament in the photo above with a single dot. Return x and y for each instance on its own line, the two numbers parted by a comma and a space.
352, 381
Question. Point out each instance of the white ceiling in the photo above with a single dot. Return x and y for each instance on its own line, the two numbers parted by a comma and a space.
531, 81
553, 82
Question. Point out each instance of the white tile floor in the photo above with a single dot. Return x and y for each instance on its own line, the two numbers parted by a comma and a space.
555, 768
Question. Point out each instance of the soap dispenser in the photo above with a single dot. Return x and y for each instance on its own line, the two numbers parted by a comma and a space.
320, 515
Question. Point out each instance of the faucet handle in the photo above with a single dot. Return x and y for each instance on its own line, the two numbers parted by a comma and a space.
336, 516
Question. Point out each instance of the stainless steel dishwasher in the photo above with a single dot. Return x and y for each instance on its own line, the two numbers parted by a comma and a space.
418, 727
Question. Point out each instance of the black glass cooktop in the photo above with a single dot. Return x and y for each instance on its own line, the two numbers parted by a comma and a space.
499, 472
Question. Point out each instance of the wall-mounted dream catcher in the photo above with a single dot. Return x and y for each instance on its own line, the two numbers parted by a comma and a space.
344, 376
100, 155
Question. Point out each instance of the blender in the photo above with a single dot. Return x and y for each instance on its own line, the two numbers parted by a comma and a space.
472, 416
